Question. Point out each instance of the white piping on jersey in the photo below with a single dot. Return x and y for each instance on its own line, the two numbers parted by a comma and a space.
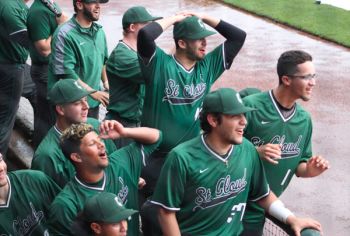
223, 56
143, 155
94, 188
179, 64
122, 42
285, 177
214, 153
262, 196
57, 130
9, 195
168, 208
278, 110
18, 31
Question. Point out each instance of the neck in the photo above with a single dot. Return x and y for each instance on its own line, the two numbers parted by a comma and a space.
216, 144
82, 21
4, 191
184, 60
284, 97
90, 176
62, 124
131, 41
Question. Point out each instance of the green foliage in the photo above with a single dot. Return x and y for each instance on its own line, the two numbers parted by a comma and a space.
324, 21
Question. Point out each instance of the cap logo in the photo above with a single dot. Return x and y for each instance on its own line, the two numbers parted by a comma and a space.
116, 199
239, 98
78, 85
201, 24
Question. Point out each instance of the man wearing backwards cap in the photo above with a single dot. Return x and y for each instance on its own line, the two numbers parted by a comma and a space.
205, 182
176, 84
79, 51
124, 73
103, 214
71, 107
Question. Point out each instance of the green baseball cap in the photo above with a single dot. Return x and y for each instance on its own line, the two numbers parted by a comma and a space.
191, 28
67, 91
225, 101
105, 207
90, 1
137, 14
248, 91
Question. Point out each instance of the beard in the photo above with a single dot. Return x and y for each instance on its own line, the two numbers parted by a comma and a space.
89, 15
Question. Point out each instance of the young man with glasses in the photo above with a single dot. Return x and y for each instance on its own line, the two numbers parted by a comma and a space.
281, 130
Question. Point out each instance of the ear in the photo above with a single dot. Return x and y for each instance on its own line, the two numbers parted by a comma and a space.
95, 227
79, 5
212, 120
132, 27
182, 44
75, 157
59, 110
286, 80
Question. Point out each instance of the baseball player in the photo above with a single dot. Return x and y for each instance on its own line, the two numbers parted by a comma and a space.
41, 24
281, 130
14, 42
126, 85
71, 107
25, 196
205, 182
103, 214
79, 51
95, 172
176, 84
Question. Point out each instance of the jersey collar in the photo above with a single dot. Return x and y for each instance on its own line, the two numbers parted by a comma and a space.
8, 195
278, 109
225, 160
101, 188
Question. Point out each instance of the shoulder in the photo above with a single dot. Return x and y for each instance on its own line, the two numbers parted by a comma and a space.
256, 98
29, 176
64, 30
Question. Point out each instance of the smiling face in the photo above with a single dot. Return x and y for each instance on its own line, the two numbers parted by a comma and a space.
75, 112
303, 81
91, 11
111, 229
92, 152
230, 129
3, 172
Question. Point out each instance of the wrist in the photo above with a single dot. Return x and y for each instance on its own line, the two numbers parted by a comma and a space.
279, 211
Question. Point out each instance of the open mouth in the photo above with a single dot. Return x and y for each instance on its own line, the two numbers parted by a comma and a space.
103, 155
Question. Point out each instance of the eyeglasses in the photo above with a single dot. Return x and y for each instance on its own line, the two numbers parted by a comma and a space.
304, 77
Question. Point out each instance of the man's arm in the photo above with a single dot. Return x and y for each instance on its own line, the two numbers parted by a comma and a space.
113, 129
168, 222
270, 152
276, 208
315, 166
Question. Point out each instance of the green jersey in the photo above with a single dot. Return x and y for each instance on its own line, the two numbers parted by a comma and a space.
49, 158
25, 211
267, 125
174, 95
78, 52
126, 88
121, 178
41, 23
13, 17
209, 192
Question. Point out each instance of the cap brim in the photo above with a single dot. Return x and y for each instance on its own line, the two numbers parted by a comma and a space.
201, 35
123, 215
240, 111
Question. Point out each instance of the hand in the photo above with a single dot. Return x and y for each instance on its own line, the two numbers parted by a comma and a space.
298, 224
270, 152
181, 16
102, 97
141, 183
316, 165
112, 129
63, 18
106, 85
